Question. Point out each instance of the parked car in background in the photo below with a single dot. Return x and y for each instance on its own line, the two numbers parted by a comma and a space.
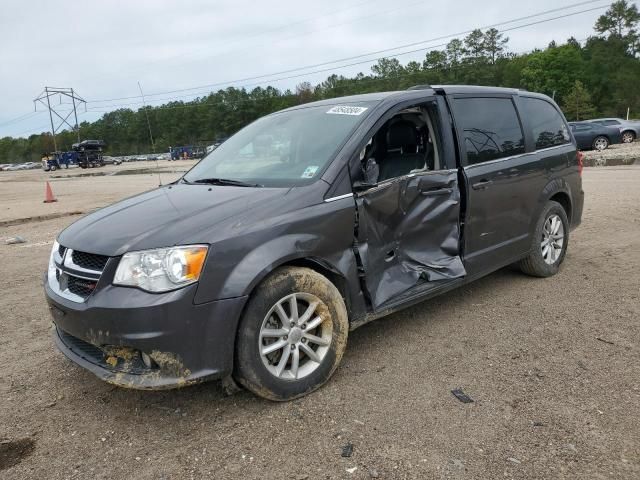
593, 136
630, 129
111, 160
308, 223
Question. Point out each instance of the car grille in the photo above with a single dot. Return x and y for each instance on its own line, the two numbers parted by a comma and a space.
98, 356
89, 260
79, 286
76, 273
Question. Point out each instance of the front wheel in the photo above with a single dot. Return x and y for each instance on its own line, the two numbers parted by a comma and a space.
628, 137
550, 241
600, 143
292, 335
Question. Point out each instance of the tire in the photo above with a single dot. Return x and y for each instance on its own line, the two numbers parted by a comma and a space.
53, 168
600, 143
537, 264
327, 326
628, 136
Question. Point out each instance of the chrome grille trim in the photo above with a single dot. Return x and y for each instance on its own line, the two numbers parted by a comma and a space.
63, 269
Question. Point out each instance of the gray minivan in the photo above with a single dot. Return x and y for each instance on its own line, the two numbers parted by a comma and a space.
308, 223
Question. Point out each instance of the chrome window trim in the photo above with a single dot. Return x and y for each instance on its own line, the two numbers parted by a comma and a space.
512, 157
391, 181
339, 197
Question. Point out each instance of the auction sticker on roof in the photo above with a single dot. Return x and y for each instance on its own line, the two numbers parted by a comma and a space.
346, 110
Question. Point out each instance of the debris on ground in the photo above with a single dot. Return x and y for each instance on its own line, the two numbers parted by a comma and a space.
347, 450
460, 395
351, 470
15, 240
600, 339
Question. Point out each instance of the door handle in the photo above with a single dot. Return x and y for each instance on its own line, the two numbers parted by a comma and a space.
437, 191
482, 184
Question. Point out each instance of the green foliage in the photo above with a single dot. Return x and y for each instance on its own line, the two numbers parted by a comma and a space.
600, 78
621, 21
577, 103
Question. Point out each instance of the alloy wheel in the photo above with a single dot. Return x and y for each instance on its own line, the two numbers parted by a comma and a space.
627, 137
600, 143
295, 336
552, 239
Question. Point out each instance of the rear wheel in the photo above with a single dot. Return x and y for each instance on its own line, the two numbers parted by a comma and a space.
292, 335
628, 137
549, 244
600, 143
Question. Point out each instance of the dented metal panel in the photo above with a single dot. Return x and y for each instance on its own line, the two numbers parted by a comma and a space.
409, 232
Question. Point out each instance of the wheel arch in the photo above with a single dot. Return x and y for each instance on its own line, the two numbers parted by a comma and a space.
556, 190
563, 199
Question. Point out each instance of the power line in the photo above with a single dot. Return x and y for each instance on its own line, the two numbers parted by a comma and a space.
19, 119
397, 54
365, 81
374, 52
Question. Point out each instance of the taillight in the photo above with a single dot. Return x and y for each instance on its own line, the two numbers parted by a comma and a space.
580, 158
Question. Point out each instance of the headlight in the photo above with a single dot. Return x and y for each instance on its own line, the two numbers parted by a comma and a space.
162, 269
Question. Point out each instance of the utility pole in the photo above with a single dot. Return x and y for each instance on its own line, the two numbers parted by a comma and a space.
146, 114
45, 99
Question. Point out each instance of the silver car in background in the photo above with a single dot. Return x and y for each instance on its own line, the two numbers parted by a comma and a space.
629, 129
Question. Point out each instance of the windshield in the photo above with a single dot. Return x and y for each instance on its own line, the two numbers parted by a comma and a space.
284, 149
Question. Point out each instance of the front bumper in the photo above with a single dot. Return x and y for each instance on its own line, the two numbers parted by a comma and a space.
185, 343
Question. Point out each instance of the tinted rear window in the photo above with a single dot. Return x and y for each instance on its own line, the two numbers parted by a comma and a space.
548, 127
490, 126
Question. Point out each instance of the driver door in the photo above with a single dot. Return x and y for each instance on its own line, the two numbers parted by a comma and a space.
408, 233
408, 227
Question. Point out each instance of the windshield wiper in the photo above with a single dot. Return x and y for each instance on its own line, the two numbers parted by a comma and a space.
226, 181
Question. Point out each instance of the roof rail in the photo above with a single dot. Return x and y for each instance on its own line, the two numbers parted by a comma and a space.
420, 87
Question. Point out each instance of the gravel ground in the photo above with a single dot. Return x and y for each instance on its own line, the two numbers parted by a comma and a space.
553, 366
621, 154
78, 190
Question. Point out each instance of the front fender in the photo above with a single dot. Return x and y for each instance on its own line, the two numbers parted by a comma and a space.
258, 263
321, 233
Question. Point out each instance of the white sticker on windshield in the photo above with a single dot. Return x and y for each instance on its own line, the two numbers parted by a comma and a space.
347, 110
310, 171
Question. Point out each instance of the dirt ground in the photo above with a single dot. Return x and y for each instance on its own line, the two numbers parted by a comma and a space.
553, 366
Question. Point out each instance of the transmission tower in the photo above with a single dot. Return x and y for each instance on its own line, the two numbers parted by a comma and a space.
45, 98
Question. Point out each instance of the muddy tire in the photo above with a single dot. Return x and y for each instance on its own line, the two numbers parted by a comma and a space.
292, 335
549, 243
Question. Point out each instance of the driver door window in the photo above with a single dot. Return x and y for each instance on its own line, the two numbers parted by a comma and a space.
406, 143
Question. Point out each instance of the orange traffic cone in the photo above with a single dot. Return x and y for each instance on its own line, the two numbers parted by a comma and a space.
48, 194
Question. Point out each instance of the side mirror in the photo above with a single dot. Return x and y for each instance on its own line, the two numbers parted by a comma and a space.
370, 172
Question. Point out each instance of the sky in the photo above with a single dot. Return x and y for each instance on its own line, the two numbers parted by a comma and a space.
102, 49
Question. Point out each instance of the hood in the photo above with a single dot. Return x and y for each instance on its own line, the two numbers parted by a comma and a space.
170, 215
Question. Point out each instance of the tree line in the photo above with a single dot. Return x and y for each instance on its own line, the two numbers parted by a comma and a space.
599, 78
